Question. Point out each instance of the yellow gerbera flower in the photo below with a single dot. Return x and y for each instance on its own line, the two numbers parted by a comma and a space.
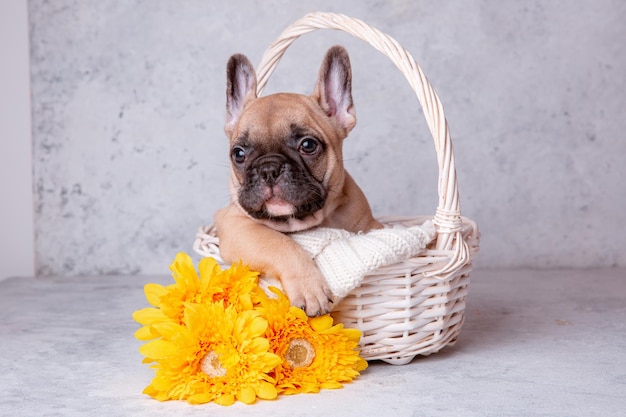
315, 353
217, 354
233, 286
216, 336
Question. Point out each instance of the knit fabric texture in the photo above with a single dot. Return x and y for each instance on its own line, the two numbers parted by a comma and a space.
345, 258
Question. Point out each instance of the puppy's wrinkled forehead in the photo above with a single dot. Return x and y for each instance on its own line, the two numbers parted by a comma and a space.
274, 118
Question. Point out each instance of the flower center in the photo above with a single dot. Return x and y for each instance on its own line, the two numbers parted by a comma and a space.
300, 353
211, 365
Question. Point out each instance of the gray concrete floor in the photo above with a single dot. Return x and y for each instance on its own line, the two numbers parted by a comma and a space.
535, 343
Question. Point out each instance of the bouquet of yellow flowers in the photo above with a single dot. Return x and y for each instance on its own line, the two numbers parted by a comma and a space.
215, 335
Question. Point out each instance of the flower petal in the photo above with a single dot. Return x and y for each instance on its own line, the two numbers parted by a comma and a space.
208, 268
353, 334
258, 345
226, 399
145, 333
321, 323
246, 395
298, 313
149, 315
168, 329
361, 365
245, 302
161, 383
271, 361
333, 331
331, 385
200, 398
158, 349
184, 272
266, 391
154, 292
257, 327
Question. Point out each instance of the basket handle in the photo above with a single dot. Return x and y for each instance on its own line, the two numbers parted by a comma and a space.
448, 216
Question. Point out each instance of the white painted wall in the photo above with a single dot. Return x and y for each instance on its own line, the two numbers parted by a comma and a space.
16, 192
130, 157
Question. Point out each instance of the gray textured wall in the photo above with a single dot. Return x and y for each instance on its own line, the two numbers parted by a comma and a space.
130, 156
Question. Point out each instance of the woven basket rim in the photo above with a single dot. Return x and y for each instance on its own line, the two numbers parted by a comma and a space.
443, 262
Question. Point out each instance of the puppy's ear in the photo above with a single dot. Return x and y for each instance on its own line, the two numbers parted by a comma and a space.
240, 88
333, 91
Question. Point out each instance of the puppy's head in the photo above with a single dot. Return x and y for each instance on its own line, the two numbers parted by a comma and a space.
285, 149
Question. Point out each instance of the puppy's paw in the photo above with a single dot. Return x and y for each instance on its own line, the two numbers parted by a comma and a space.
309, 292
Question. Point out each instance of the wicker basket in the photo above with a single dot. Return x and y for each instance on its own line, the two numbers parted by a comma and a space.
414, 307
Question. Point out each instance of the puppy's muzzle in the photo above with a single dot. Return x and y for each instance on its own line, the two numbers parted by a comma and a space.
269, 168
279, 188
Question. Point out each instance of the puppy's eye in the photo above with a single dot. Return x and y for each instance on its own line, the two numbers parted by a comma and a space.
238, 154
308, 146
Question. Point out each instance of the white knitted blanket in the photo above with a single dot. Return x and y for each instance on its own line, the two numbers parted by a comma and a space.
345, 258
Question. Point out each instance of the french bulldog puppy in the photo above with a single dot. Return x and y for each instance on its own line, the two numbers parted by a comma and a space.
287, 175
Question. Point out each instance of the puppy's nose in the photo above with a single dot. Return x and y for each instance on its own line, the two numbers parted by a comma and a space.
270, 171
